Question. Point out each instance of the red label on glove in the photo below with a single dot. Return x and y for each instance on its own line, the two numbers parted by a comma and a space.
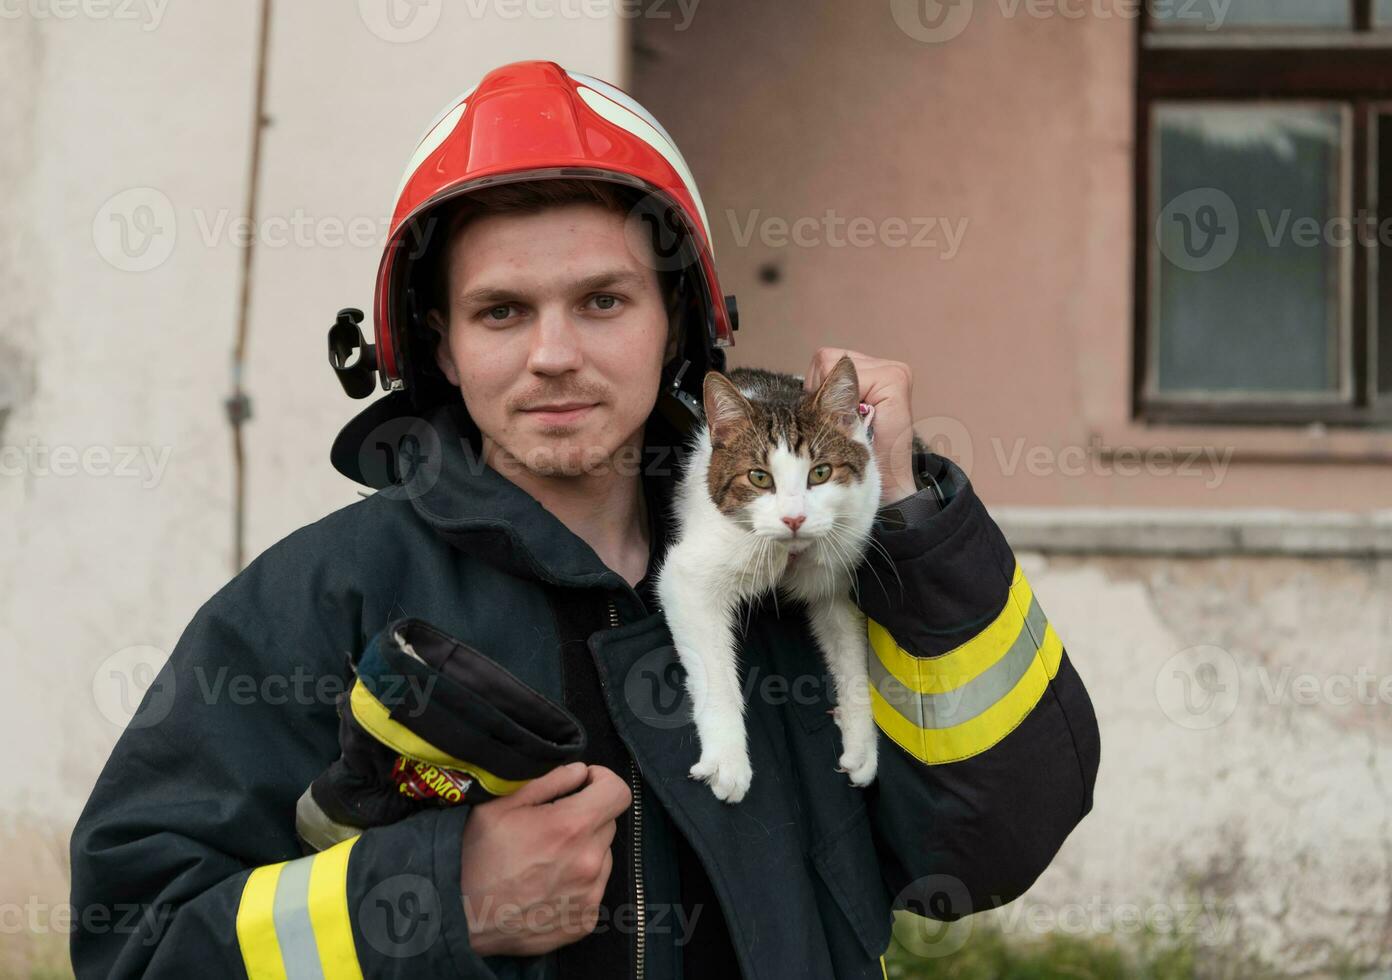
422, 781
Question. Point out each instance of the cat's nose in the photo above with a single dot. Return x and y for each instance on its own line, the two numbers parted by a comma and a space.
795, 522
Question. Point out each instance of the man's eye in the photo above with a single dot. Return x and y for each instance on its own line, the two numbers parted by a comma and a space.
760, 479
500, 312
820, 474
605, 301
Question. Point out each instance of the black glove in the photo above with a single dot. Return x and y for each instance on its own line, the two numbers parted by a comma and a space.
430, 721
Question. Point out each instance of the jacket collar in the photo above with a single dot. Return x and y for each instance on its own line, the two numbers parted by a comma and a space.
477, 509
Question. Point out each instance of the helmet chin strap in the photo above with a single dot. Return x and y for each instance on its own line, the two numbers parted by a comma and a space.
678, 406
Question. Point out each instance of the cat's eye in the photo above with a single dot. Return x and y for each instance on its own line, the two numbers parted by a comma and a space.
820, 474
760, 479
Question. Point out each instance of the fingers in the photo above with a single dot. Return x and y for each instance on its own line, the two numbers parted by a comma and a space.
552, 786
602, 799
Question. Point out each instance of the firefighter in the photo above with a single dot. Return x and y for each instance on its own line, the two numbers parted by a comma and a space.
484, 529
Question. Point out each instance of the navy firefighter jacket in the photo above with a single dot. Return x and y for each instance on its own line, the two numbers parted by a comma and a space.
988, 754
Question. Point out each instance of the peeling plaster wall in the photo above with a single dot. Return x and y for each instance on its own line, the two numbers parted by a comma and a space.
1253, 801
124, 149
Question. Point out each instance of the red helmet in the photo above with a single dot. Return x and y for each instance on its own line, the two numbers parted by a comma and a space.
534, 120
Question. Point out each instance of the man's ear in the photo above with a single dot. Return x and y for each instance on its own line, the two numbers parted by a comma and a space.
436, 322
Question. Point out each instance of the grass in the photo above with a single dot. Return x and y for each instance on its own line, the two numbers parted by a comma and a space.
965, 951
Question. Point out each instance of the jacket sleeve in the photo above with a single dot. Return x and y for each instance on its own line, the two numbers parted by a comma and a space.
185, 861
990, 747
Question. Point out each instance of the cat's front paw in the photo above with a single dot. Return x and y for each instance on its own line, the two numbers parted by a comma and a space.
860, 760
727, 773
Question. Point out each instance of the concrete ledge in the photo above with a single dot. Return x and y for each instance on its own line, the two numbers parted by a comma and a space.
1153, 531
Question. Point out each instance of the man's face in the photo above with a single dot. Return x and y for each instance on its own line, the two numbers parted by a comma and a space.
553, 310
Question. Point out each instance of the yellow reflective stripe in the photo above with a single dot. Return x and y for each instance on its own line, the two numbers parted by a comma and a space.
963, 664
373, 715
328, 913
256, 933
883, 972
941, 745
293, 921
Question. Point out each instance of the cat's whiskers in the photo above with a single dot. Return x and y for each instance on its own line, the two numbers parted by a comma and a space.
840, 554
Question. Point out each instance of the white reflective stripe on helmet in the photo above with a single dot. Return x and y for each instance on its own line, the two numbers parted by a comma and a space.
632, 117
434, 135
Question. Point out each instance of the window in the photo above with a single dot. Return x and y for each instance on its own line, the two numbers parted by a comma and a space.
1264, 133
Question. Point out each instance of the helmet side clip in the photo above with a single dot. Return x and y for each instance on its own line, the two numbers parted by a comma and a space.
357, 374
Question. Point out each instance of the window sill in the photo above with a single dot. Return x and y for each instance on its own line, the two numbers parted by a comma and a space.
1196, 533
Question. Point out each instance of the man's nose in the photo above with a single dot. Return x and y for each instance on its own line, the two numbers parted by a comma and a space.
795, 522
556, 344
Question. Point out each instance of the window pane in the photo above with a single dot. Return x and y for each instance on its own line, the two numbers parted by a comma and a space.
1250, 273
1214, 14
1382, 13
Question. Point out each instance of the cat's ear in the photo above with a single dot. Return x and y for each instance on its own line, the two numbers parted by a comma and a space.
839, 395
727, 410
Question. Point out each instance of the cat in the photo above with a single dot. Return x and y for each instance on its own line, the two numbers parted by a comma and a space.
780, 492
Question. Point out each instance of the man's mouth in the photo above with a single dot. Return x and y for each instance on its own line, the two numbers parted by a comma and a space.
560, 413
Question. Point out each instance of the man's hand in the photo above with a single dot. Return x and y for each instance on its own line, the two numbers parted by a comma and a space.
534, 864
887, 386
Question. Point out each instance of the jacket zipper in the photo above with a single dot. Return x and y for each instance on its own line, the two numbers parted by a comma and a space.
640, 938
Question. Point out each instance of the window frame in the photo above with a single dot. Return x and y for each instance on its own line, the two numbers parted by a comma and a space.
1285, 65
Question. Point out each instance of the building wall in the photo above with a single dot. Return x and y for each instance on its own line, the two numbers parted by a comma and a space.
140, 122
1254, 814
1017, 132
